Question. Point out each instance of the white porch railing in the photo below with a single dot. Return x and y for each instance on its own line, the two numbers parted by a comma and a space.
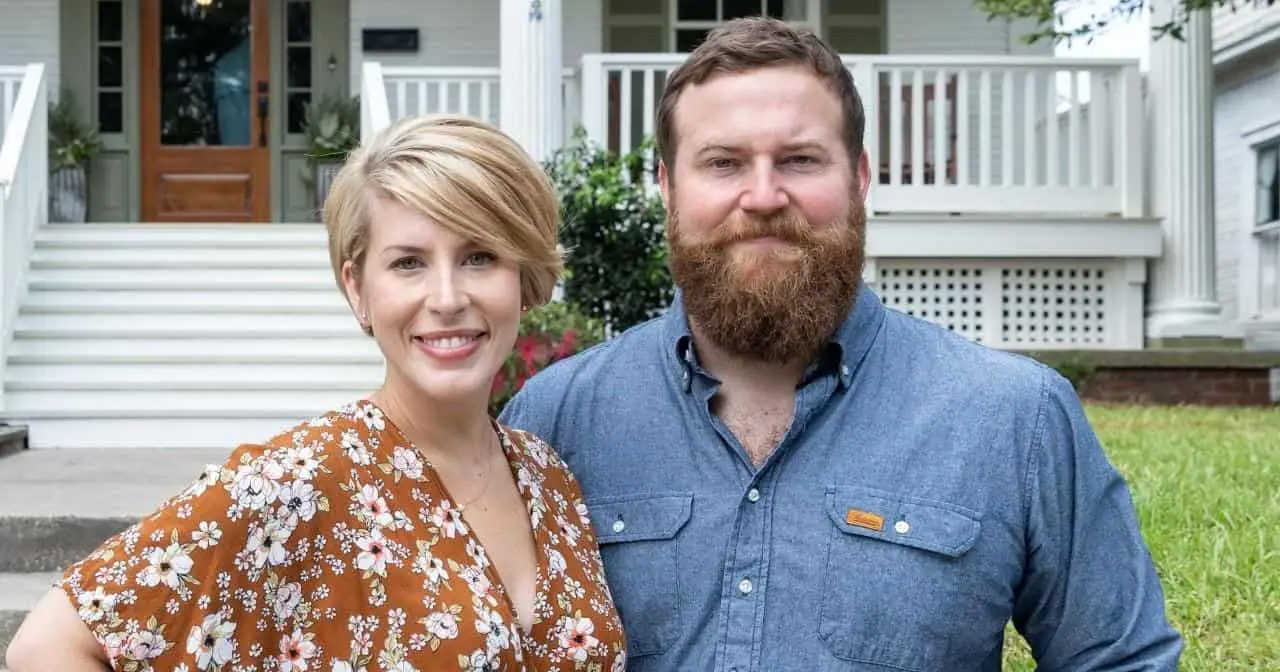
948, 133
473, 91
24, 181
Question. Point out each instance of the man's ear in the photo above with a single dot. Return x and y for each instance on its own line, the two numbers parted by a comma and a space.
664, 184
864, 175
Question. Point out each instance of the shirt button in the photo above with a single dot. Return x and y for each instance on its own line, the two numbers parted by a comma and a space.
753, 495
744, 586
619, 526
901, 527
844, 370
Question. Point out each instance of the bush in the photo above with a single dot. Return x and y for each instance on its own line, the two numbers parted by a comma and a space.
613, 227
548, 334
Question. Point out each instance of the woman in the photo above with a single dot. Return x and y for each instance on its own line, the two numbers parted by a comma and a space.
406, 531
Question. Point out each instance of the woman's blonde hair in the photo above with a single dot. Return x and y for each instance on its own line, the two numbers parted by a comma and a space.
463, 174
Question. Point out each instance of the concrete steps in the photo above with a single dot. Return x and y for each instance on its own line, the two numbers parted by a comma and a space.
197, 336
56, 506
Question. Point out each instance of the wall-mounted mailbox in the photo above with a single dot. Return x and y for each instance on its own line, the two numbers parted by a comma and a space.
394, 40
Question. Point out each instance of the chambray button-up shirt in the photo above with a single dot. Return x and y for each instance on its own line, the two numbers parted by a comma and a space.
927, 492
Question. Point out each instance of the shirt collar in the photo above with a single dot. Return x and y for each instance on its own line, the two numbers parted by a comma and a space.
846, 348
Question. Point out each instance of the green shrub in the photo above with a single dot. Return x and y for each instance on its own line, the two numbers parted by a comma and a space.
613, 227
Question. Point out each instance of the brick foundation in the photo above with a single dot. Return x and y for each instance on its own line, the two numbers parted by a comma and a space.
1169, 377
1201, 386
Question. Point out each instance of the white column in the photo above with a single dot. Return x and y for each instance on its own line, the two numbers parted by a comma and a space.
1184, 296
529, 84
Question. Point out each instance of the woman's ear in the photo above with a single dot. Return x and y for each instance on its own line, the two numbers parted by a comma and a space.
351, 283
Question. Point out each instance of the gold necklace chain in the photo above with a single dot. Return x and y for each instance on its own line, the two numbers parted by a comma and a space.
488, 469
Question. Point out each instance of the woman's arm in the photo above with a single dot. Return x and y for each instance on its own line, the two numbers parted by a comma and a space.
54, 638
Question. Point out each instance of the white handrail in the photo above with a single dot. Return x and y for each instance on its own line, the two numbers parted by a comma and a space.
24, 183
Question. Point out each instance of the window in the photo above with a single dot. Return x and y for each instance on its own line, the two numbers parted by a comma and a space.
298, 63
693, 19
1267, 189
109, 84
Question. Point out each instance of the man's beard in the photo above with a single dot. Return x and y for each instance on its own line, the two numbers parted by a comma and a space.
772, 304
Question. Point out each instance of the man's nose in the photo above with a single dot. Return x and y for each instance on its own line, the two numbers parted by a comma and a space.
764, 193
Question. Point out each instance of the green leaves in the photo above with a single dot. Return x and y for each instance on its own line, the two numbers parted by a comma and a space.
72, 141
1047, 16
613, 230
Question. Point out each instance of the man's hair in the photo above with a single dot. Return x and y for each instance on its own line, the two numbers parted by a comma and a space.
742, 45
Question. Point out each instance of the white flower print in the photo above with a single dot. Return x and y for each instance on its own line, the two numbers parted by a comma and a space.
257, 483
169, 565
373, 418
374, 505
407, 462
208, 534
303, 461
288, 597
449, 520
556, 564
144, 645
95, 605
209, 477
300, 499
314, 552
295, 651
476, 552
442, 625
373, 552
211, 642
576, 638
266, 542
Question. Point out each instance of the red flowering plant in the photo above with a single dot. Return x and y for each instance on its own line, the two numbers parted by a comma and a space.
548, 334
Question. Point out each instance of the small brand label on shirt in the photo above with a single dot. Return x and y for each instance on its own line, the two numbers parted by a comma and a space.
866, 519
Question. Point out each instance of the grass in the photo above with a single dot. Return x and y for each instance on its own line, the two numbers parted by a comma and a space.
1206, 483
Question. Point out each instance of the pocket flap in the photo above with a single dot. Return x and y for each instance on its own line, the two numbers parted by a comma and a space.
622, 518
899, 519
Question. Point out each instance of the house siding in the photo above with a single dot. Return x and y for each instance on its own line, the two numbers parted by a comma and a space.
29, 33
955, 27
1247, 96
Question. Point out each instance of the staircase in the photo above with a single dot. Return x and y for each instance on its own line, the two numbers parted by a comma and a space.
180, 336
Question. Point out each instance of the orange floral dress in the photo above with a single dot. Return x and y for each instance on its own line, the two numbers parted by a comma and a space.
335, 547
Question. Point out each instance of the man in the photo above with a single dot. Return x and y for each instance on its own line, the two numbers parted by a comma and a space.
786, 475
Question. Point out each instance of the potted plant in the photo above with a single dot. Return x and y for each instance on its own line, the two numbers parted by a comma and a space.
332, 128
72, 143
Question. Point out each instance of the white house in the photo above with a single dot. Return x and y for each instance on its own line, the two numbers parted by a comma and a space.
1024, 200
1246, 136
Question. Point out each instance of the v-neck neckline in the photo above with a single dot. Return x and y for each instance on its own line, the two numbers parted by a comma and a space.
515, 459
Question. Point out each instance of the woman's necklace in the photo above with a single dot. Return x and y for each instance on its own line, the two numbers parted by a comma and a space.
488, 468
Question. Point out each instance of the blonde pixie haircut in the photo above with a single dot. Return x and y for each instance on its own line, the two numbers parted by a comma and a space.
465, 175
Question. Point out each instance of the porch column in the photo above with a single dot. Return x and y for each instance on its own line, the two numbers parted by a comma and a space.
1184, 295
529, 83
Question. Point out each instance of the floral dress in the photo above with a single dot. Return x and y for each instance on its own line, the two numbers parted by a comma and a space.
335, 547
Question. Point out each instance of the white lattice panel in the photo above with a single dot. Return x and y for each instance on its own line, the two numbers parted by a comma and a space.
1022, 304
950, 296
1063, 305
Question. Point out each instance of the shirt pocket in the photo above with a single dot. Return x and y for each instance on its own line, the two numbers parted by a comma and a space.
894, 593
637, 534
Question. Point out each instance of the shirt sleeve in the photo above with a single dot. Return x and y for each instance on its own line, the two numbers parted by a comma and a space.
1091, 597
204, 582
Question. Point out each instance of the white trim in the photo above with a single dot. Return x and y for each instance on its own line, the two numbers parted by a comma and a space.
945, 237
1241, 48
1249, 277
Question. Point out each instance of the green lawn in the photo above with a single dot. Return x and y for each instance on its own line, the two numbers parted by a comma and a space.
1207, 486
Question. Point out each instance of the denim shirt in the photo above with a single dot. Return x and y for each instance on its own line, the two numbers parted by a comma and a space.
928, 491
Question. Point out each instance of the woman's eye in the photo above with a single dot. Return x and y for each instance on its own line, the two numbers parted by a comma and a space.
406, 263
480, 258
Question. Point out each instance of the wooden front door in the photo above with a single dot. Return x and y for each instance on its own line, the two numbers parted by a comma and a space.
206, 146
